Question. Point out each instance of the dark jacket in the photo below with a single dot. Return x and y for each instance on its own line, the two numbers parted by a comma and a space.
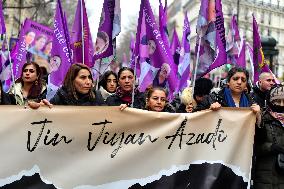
266, 175
63, 98
259, 96
139, 100
219, 97
7, 99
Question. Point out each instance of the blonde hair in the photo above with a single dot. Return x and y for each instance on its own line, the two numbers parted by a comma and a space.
187, 97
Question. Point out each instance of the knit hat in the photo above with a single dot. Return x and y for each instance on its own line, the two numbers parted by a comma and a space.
275, 94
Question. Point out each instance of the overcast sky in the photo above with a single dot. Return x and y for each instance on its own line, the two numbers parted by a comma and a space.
129, 9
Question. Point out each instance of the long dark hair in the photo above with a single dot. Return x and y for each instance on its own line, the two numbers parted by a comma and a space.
103, 81
70, 76
36, 87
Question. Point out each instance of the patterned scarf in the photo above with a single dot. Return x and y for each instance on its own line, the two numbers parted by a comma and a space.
278, 116
125, 96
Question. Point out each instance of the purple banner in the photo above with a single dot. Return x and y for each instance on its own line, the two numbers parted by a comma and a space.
158, 51
233, 42
210, 28
61, 55
103, 46
258, 57
35, 39
184, 60
241, 61
77, 44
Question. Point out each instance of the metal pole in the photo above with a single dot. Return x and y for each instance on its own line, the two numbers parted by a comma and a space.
196, 64
82, 32
133, 89
238, 11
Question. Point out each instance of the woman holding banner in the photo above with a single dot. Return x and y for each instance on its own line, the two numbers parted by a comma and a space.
233, 95
123, 94
30, 86
156, 100
77, 89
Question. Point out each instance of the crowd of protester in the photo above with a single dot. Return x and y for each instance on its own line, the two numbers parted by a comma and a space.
266, 100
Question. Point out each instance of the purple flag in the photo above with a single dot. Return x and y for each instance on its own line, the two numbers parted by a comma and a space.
211, 35
61, 60
76, 42
241, 61
184, 60
163, 22
158, 51
35, 39
103, 46
2, 20
250, 52
175, 47
233, 42
258, 57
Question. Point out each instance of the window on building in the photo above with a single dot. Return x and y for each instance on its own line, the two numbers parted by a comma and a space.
269, 19
262, 17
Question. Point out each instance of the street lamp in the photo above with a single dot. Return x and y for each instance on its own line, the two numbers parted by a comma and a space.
269, 51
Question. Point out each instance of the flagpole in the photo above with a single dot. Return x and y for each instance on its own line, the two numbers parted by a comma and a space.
11, 67
82, 32
220, 75
251, 62
196, 64
132, 96
99, 72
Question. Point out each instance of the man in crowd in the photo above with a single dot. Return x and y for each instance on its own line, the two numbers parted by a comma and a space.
260, 91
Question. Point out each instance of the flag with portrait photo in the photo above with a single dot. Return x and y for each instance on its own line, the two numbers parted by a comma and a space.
159, 53
103, 46
32, 46
210, 41
76, 40
163, 22
258, 56
60, 55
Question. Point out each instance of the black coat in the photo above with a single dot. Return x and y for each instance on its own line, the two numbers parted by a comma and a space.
7, 99
259, 96
139, 101
266, 175
220, 98
62, 98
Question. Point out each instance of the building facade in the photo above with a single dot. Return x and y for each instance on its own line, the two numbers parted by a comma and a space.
268, 13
